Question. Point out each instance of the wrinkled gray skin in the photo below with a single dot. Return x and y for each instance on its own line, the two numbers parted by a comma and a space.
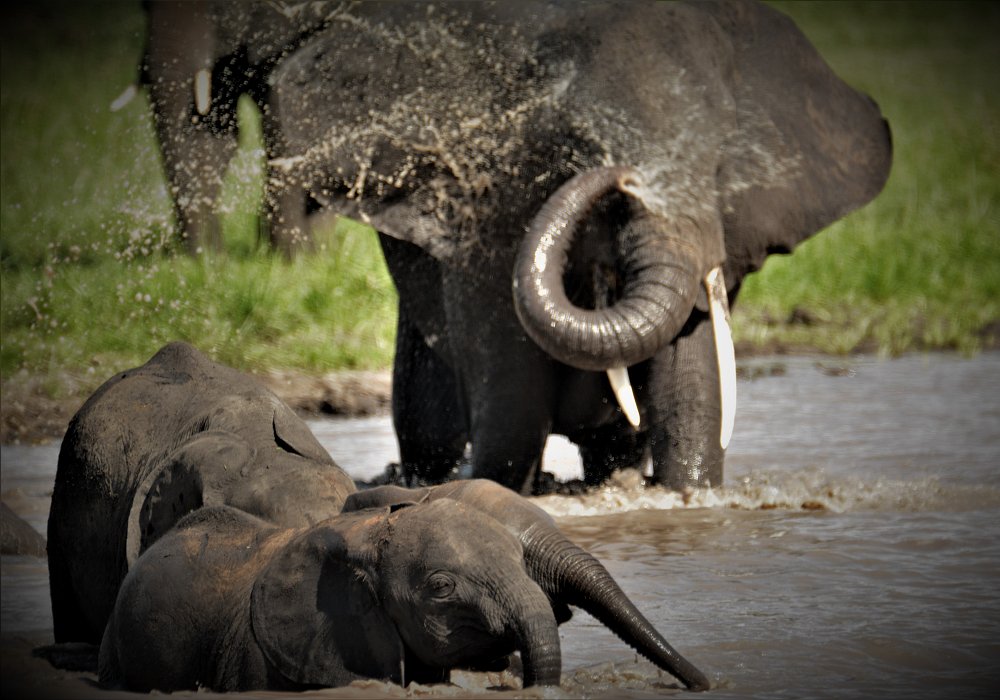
454, 127
403, 594
568, 574
183, 434
157, 442
239, 43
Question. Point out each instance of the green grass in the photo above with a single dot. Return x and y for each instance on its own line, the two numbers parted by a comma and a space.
920, 266
91, 280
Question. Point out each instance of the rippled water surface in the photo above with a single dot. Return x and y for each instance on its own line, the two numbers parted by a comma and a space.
853, 551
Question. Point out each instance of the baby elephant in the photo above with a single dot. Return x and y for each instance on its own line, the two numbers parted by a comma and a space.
407, 592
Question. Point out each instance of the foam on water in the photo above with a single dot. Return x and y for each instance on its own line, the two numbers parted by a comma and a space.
806, 489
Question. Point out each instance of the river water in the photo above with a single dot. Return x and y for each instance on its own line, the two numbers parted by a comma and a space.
853, 551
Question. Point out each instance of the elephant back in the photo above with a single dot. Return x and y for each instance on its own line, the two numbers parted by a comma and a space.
118, 441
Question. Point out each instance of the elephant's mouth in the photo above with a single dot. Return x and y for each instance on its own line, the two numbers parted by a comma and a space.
663, 271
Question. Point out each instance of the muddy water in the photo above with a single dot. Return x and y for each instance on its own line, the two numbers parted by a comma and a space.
854, 550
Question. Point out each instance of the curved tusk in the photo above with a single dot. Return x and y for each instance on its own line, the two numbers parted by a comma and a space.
620, 384
718, 305
124, 98
203, 91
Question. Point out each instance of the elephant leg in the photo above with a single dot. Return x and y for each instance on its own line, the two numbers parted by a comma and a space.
196, 152
195, 169
609, 448
508, 382
427, 416
286, 215
685, 408
70, 624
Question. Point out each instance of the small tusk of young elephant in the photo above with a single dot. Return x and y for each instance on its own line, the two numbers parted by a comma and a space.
203, 91
620, 384
124, 98
718, 304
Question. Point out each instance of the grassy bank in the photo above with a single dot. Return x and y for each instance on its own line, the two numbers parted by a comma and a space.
90, 281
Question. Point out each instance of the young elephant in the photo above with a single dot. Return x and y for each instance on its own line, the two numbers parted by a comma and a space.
568, 574
153, 443
229, 602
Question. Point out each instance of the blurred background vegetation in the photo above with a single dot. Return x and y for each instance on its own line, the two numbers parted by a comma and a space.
92, 283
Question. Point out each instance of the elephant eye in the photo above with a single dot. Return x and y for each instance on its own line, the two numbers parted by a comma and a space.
440, 585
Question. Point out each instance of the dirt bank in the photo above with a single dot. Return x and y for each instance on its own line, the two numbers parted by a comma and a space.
29, 414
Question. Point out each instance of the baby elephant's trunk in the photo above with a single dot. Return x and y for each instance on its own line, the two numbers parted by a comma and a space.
538, 640
571, 575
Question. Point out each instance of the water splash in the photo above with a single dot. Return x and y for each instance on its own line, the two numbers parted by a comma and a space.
803, 490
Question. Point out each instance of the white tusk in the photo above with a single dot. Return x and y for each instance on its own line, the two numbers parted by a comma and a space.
620, 384
203, 91
718, 305
124, 98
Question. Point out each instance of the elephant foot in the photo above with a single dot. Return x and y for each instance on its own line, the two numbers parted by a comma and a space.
547, 485
70, 656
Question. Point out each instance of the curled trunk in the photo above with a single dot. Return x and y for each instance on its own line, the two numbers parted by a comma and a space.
661, 273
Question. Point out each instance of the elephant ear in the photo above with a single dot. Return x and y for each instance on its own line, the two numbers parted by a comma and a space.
293, 435
195, 475
807, 150
314, 610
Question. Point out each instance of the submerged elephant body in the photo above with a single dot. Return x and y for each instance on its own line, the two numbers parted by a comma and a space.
622, 166
202, 531
157, 442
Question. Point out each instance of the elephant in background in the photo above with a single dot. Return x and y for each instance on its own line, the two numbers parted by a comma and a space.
402, 594
156, 442
568, 189
200, 57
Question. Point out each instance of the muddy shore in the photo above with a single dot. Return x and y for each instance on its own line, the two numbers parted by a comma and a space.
29, 415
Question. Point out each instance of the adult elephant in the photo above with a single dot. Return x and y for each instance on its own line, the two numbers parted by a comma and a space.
403, 594
200, 57
624, 165
156, 442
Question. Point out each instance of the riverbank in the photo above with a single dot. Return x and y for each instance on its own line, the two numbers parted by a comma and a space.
33, 412
35, 409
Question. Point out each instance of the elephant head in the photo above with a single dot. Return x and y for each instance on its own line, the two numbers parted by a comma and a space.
402, 593
568, 574
662, 264
792, 149
405, 593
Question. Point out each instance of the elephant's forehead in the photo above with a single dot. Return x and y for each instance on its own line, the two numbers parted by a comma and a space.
444, 532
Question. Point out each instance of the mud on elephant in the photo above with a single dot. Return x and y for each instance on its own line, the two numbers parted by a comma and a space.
622, 166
